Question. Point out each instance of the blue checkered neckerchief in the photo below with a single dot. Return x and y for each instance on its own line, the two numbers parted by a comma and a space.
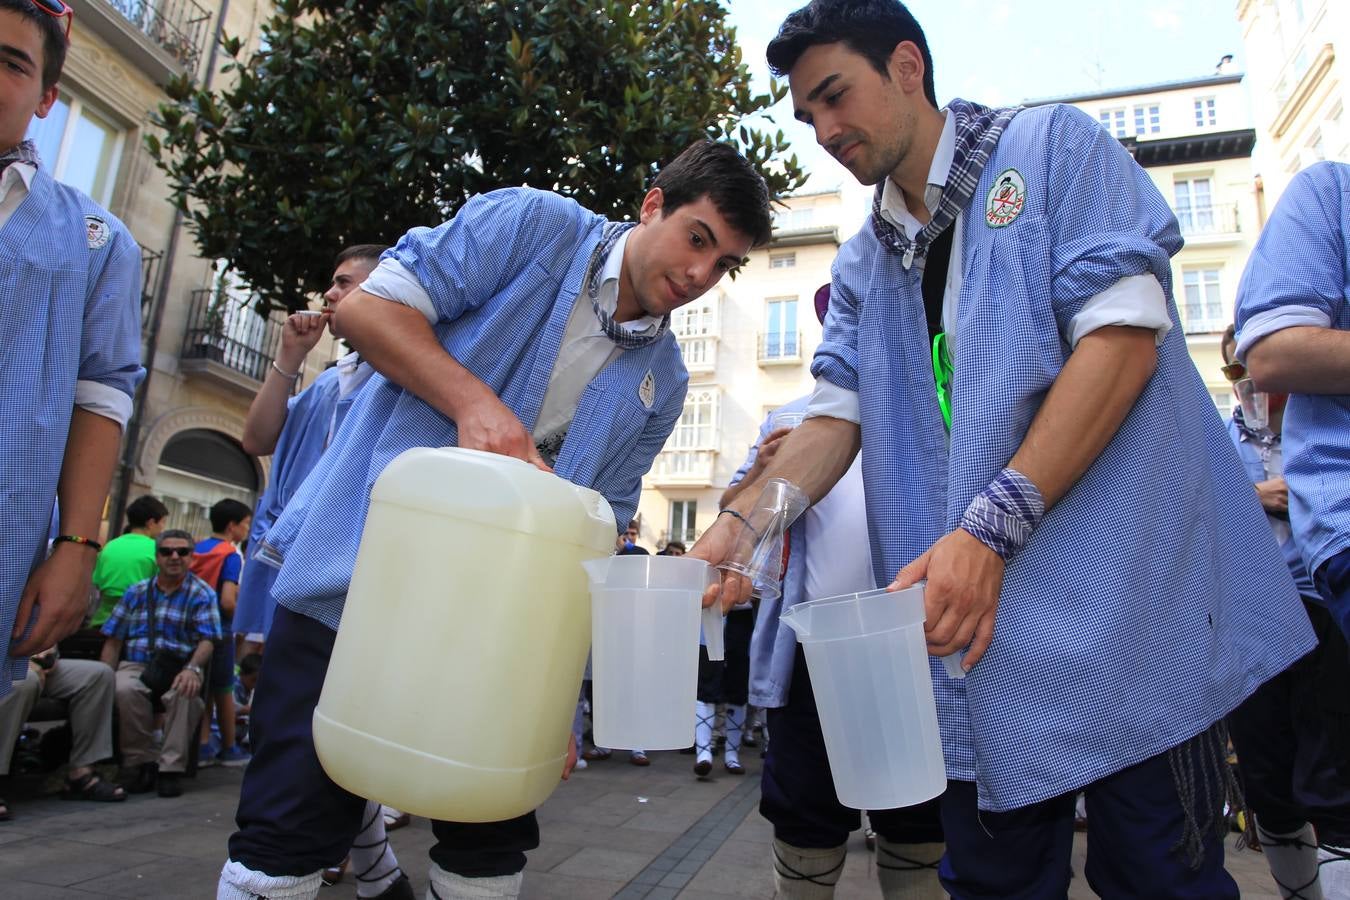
978, 129
24, 152
628, 340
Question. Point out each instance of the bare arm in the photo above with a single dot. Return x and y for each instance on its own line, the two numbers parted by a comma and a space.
59, 586
111, 652
1302, 360
229, 596
188, 683
1085, 407
400, 344
267, 414
768, 448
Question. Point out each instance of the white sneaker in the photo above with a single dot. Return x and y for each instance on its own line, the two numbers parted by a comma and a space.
581, 764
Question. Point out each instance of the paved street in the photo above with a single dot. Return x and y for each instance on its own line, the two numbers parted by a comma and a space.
614, 830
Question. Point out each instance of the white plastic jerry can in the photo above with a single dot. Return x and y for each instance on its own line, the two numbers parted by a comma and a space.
455, 674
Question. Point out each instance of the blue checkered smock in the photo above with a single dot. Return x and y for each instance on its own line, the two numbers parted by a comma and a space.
1299, 275
69, 312
1151, 600
503, 276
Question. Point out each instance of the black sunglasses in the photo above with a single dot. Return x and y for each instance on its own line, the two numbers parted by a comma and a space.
174, 551
58, 10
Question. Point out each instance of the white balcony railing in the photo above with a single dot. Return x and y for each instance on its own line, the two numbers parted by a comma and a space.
1209, 221
683, 467
700, 353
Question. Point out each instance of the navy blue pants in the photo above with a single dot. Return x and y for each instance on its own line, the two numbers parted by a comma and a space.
728, 680
1333, 583
797, 790
1293, 740
293, 819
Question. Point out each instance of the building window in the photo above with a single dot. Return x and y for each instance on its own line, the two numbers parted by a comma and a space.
782, 260
780, 329
1202, 311
1114, 121
80, 146
683, 515
695, 320
1205, 113
1194, 205
1147, 119
793, 219
697, 428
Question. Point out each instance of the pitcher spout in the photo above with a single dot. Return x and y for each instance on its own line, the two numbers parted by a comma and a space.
798, 618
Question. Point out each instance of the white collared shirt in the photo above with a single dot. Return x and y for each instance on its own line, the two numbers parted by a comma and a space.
15, 184
583, 353
1137, 300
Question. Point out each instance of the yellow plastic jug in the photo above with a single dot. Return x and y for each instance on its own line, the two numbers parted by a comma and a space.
455, 674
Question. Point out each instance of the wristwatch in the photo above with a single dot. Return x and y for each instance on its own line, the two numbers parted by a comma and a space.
194, 669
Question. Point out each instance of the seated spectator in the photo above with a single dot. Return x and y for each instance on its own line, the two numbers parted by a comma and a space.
129, 558
673, 548
167, 626
88, 688
244, 685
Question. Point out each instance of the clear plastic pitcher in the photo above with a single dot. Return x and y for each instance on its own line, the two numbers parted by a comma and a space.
645, 615
456, 669
869, 671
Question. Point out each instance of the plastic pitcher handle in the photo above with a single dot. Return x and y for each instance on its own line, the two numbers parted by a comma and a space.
713, 639
952, 664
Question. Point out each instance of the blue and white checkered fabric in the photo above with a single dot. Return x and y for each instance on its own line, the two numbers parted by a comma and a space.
182, 619
1299, 274
1151, 600
503, 275
69, 312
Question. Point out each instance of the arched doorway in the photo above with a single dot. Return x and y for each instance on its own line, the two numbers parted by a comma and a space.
199, 468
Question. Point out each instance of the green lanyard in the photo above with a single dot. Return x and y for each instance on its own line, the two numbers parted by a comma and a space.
942, 377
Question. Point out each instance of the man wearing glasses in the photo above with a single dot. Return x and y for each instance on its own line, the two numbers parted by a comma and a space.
70, 319
171, 616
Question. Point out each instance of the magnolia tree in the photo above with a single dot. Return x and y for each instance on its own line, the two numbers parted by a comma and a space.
361, 120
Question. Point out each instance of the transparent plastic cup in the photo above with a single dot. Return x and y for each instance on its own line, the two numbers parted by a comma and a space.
758, 553
645, 619
869, 671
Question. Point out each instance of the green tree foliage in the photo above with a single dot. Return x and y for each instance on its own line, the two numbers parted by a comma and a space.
361, 120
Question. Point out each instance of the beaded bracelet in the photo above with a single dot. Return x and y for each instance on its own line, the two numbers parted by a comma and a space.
77, 539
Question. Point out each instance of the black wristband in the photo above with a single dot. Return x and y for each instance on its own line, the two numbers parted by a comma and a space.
743, 520
77, 539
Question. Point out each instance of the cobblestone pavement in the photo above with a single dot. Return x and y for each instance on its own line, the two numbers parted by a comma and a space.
613, 830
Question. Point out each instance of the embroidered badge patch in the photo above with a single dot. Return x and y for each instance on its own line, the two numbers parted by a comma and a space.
647, 390
96, 231
1006, 199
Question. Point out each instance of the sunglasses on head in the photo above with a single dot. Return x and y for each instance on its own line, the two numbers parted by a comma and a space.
57, 10
1234, 371
175, 551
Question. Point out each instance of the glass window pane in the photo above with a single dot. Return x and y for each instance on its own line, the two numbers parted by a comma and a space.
46, 133
89, 165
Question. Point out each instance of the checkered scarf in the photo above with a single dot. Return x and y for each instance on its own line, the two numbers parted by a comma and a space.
24, 151
978, 129
628, 340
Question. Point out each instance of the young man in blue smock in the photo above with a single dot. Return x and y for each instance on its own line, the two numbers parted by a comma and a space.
525, 326
70, 279
1038, 446
1293, 331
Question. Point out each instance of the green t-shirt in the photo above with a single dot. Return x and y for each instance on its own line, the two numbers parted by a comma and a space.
122, 562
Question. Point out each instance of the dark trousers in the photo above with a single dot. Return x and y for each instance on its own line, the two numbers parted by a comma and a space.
1135, 820
797, 790
1293, 740
1333, 583
293, 819
728, 681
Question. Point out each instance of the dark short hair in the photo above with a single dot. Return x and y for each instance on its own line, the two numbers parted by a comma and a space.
871, 28
719, 172
144, 510
674, 545
53, 38
250, 663
370, 252
1229, 337
227, 512
170, 534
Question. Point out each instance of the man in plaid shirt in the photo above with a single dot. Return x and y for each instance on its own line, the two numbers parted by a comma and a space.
186, 623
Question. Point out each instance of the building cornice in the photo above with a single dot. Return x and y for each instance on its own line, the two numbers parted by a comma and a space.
1159, 88
1194, 148
1317, 70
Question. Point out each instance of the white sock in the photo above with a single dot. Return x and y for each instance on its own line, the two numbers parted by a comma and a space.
703, 728
372, 859
806, 874
1334, 870
239, 882
449, 886
1292, 859
735, 716
909, 871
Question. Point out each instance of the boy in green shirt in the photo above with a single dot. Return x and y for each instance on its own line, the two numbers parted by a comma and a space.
130, 558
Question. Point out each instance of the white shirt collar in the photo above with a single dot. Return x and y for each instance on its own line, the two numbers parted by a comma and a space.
893, 207
17, 171
609, 286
